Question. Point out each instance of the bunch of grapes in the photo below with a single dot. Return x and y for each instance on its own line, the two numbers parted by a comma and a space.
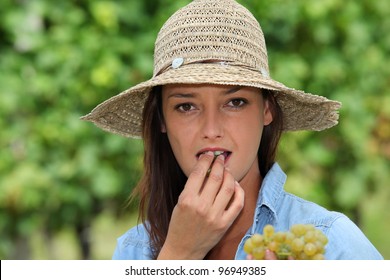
302, 242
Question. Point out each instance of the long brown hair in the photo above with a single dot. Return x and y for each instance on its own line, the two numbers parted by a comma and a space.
163, 180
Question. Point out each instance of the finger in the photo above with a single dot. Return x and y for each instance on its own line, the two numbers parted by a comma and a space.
214, 180
232, 207
270, 255
236, 204
225, 193
198, 174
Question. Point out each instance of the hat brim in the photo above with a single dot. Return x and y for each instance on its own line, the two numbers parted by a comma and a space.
122, 114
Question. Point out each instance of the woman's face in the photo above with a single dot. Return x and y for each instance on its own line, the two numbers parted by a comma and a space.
230, 119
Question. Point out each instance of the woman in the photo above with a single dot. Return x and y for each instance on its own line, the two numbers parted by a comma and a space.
211, 118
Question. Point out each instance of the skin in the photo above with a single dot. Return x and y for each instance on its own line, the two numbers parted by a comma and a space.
215, 210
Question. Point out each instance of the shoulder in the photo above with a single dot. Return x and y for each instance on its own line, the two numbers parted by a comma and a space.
287, 208
346, 240
294, 209
134, 244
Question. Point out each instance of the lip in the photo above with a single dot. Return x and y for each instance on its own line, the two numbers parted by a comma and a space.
213, 149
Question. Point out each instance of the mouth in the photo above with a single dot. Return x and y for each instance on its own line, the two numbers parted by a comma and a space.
225, 153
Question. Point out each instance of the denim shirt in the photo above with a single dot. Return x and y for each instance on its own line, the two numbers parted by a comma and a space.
282, 210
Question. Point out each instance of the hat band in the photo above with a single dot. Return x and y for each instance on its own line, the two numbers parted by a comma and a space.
179, 62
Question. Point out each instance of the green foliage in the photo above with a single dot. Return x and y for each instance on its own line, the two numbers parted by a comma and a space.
58, 59
338, 49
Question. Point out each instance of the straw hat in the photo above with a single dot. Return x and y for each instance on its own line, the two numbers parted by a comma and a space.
213, 42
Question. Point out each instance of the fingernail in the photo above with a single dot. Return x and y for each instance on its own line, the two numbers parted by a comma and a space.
222, 157
269, 255
206, 154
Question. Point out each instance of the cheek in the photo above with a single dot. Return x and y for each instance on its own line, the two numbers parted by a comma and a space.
181, 148
250, 139
250, 128
248, 136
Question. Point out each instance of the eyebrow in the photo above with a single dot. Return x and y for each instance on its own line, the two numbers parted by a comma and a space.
234, 89
191, 95
181, 95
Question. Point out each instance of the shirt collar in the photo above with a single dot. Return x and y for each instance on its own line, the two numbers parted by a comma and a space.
270, 191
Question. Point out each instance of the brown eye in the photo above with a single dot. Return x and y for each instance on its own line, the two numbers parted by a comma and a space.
236, 103
185, 107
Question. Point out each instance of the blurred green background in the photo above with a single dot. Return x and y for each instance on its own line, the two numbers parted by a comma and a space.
64, 183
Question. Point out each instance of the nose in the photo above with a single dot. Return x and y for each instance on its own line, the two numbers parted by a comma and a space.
212, 124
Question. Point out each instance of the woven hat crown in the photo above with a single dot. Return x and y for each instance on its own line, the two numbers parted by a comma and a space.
207, 30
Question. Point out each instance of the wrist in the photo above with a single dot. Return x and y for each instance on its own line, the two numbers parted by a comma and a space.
169, 253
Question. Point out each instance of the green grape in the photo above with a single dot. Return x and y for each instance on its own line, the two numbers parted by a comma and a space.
298, 229
301, 242
268, 231
320, 246
321, 237
257, 240
310, 249
318, 257
302, 256
289, 237
248, 246
284, 251
280, 236
258, 253
273, 246
297, 245
310, 236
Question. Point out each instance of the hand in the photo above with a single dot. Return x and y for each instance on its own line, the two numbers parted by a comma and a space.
207, 207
